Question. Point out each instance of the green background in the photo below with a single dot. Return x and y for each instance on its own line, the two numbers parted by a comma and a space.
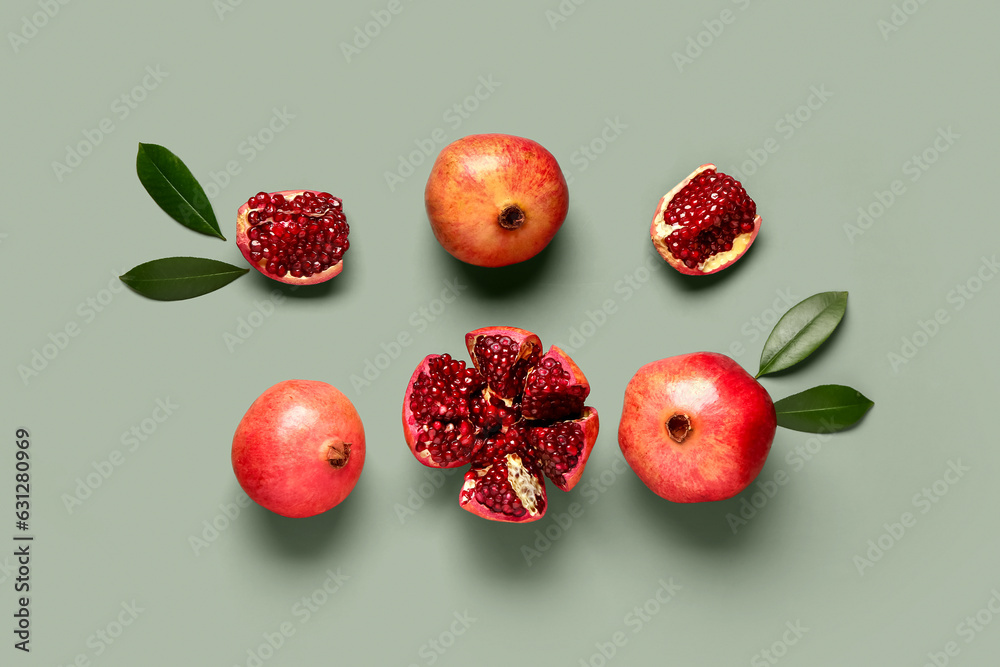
611, 68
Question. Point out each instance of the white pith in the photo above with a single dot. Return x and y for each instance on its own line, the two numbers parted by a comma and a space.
526, 486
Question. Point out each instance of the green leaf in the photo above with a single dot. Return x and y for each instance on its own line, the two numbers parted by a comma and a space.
176, 278
825, 409
172, 186
801, 330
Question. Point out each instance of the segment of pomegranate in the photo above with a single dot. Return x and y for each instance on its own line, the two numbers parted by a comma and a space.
555, 388
503, 355
563, 448
297, 237
456, 415
705, 223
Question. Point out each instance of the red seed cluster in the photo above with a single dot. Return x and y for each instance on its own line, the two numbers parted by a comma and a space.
504, 370
461, 417
302, 236
548, 392
713, 209
557, 448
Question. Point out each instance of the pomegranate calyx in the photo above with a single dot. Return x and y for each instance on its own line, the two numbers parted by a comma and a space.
338, 453
678, 427
511, 217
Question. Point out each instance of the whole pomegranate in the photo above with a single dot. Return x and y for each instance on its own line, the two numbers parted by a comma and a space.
705, 223
516, 415
297, 237
299, 449
495, 199
696, 427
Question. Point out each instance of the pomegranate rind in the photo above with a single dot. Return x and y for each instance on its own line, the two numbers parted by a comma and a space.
659, 230
475, 178
732, 419
243, 243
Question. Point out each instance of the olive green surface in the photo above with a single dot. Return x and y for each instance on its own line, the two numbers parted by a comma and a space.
877, 546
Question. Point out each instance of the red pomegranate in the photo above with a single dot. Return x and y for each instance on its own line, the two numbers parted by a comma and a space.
299, 449
516, 415
297, 237
495, 199
705, 223
696, 427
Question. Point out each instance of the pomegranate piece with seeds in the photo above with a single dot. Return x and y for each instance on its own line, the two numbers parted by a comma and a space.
297, 237
706, 223
516, 416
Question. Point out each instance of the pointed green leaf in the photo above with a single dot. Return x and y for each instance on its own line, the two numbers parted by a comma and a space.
176, 278
825, 409
172, 186
801, 330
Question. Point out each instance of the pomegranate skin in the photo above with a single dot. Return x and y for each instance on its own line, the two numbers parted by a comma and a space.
299, 449
495, 199
729, 420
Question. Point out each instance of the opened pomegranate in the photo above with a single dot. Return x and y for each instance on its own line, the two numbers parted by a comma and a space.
299, 449
516, 416
704, 224
495, 199
696, 427
297, 237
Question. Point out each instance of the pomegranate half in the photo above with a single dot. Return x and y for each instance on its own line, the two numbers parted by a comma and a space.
297, 237
705, 223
